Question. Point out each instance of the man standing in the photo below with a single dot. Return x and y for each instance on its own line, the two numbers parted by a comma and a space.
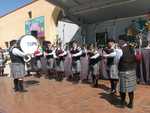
60, 55
111, 65
127, 73
76, 54
94, 64
17, 66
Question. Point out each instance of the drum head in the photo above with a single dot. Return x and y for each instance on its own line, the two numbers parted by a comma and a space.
29, 44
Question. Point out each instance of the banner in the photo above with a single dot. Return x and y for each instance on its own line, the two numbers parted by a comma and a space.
36, 24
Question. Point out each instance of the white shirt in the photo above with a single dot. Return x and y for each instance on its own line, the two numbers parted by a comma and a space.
77, 54
119, 54
17, 52
96, 55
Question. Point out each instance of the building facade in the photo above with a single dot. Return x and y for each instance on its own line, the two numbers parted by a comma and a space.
40, 16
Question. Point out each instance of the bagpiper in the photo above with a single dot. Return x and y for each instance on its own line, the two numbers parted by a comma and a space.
60, 55
94, 64
38, 54
76, 53
111, 66
49, 54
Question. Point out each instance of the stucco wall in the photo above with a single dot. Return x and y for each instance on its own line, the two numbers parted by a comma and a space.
12, 26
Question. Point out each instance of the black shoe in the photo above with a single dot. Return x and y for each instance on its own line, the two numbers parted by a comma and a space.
96, 85
113, 92
20, 85
16, 88
130, 105
122, 104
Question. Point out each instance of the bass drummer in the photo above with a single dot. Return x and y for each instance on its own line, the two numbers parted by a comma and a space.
17, 66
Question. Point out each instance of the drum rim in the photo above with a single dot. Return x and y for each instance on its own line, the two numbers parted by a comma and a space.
19, 40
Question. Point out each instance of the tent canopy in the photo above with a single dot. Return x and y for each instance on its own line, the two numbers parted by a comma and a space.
92, 11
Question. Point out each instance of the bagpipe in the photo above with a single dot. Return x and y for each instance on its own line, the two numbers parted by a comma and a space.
59, 53
94, 60
75, 51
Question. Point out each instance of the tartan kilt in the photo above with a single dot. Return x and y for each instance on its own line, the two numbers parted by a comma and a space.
127, 81
17, 70
95, 70
76, 66
113, 72
50, 63
2, 63
59, 65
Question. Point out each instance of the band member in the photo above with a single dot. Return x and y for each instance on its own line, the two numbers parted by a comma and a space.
17, 66
127, 73
60, 55
38, 54
111, 66
49, 54
76, 53
94, 60
84, 64
1, 62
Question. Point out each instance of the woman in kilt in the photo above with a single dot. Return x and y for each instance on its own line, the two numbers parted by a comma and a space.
127, 73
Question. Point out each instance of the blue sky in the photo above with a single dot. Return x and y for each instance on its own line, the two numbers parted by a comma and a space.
9, 5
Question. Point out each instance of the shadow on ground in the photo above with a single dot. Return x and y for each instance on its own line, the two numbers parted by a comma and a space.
29, 83
111, 98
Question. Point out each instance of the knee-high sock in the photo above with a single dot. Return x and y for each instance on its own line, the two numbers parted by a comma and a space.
131, 97
112, 84
123, 96
16, 84
20, 82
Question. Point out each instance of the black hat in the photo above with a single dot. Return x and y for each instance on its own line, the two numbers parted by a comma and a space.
12, 42
111, 40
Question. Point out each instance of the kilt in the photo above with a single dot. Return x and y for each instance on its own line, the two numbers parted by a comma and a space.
127, 81
1, 63
113, 72
67, 66
76, 66
84, 68
95, 70
39, 64
17, 70
59, 65
50, 63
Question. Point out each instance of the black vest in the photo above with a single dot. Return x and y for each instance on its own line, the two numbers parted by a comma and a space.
15, 59
93, 61
110, 61
127, 61
48, 51
58, 52
75, 51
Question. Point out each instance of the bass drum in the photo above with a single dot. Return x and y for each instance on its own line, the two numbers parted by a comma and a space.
28, 44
